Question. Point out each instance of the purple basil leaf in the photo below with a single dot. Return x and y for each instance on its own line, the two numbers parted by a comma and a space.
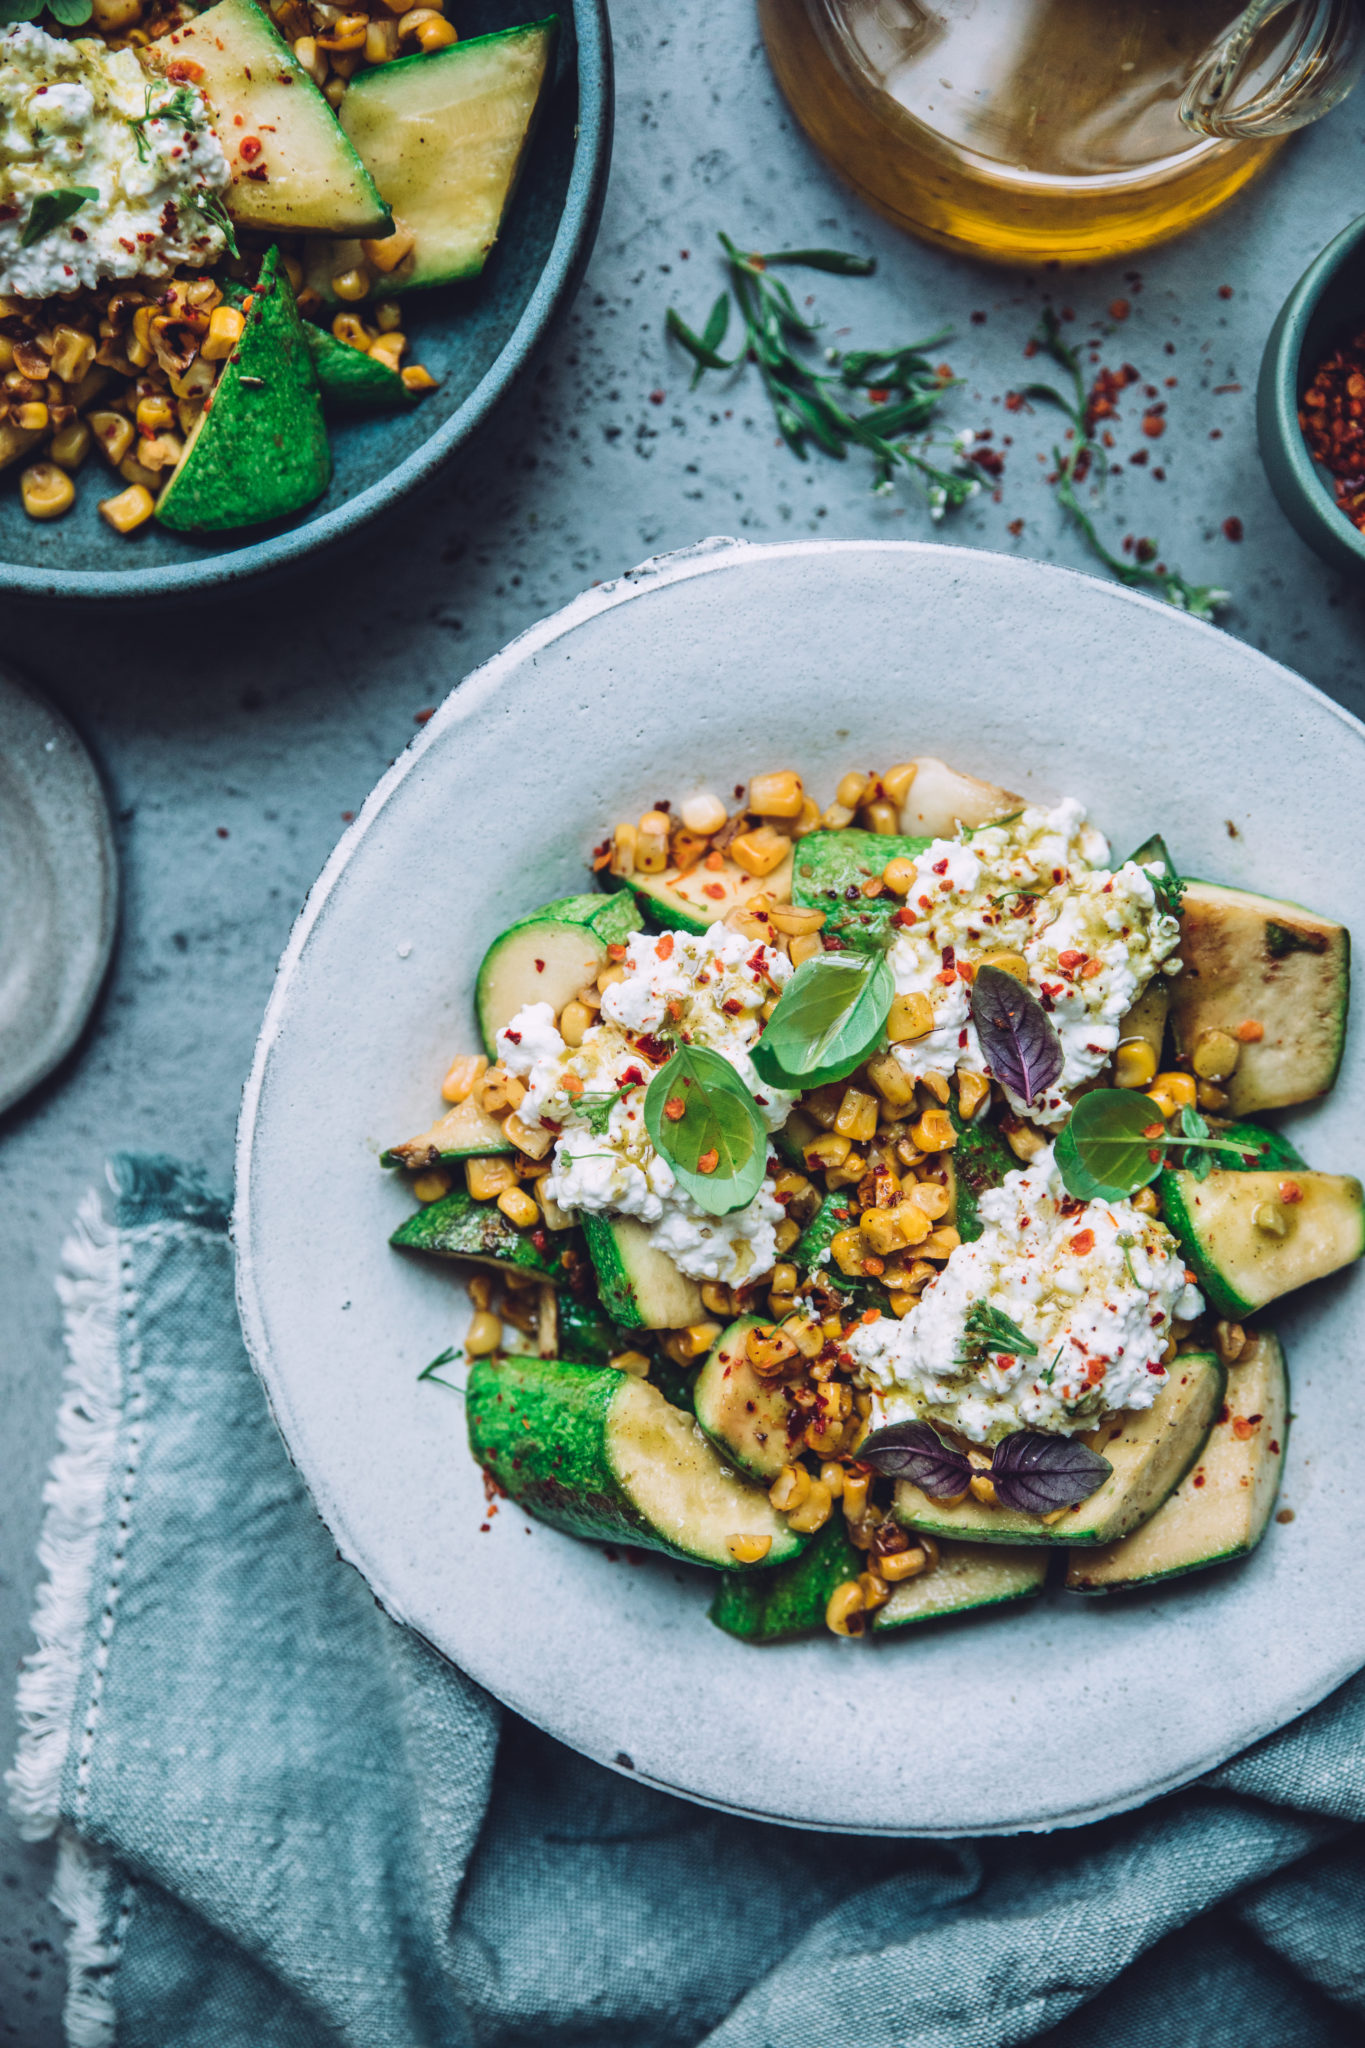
1038, 1474
1022, 1049
914, 1451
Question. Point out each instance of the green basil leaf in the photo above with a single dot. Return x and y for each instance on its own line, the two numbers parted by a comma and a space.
71, 13
50, 209
716, 1142
19, 10
1105, 1151
828, 1019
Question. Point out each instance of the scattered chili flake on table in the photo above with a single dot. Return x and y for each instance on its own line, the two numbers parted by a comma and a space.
1332, 418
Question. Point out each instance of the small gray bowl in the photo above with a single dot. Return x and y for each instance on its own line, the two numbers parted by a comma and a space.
477, 338
1326, 306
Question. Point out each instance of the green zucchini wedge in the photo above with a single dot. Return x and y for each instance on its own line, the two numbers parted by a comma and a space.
967, 1576
640, 1286
693, 899
602, 1454
458, 1227
547, 957
778, 1604
1150, 1456
831, 868
746, 1417
1248, 1245
1256, 960
464, 1132
1221, 1507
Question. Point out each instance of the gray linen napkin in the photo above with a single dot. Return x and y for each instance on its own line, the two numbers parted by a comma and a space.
284, 1822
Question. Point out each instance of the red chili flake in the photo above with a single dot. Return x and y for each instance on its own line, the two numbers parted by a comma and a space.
715, 890
616, 954
1198, 1479
632, 1078
1016, 527
540, 967
1232, 528
1153, 426
657, 397
1290, 1191
1119, 309
1071, 959
664, 949
515, 1036
940, 867
249, 148
709, 1161
1155, 1368
948, 956
1083, 1242
675, 1109
421, 717
732, 1006
1225, 291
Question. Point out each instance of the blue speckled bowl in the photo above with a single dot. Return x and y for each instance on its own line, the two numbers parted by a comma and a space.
477, 338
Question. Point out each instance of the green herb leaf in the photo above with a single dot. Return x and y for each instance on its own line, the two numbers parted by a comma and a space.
702, 1119
70, 13
1105, 1150
702, 351
989, 1330
829, 1017
433, 1371
28, 10
596, 1109
837, 261
50, 209
213, 209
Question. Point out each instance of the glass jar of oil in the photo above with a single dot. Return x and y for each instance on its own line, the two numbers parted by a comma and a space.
1025, 130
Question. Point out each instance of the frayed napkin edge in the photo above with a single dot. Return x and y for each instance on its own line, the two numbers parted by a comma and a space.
74, 1501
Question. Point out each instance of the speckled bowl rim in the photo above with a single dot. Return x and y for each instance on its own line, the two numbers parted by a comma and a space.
555, 288
1294, 476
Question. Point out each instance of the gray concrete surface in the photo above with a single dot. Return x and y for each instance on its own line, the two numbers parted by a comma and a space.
235, 738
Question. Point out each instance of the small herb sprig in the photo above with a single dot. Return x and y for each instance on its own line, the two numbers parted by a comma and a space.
433, 1371
1201, 600
988, 1332
182, 108
213, 209
901, 387
1115, 1142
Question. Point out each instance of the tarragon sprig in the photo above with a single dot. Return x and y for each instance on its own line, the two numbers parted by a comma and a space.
901, 386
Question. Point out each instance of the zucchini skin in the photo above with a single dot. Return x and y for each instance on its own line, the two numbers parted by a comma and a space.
613, 1283
540, 1428
981, 1159
458, 1227
787, 1600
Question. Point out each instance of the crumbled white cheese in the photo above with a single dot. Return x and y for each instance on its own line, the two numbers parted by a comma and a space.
77, 114
1093, 1286
707, 990
1092, 938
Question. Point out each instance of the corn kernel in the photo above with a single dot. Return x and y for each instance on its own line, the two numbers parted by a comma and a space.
857, 1116
847, 1250
852, 789
748, 1549
846, 1610
910, 1016
790, 1488
875, 1590
418, 379
1008, 962
114, 433
434, 35
462, 1074
46, 491
897, 1565
982, 1489
483, 1335
759, 850
778, 795
70, 444
813, 1511
636, 1363
72, 353
1215, 1055
519, 1208
894, 1085
972, 1090
804, 948
130, 509
387, 350
882, 818
934, 1132
932, 1197
351, 285
487, 1177
830, 1149
1179, 1087
896, 781
795, 923
388, 252
1134, 1064
767, 1348
1270, 1218
32, 416
899, 876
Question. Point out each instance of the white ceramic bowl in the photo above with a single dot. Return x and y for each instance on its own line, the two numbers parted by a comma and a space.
697, 670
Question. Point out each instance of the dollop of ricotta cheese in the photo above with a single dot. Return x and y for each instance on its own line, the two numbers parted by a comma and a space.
705, 990
1037, 885
78, 114
1093, 1286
